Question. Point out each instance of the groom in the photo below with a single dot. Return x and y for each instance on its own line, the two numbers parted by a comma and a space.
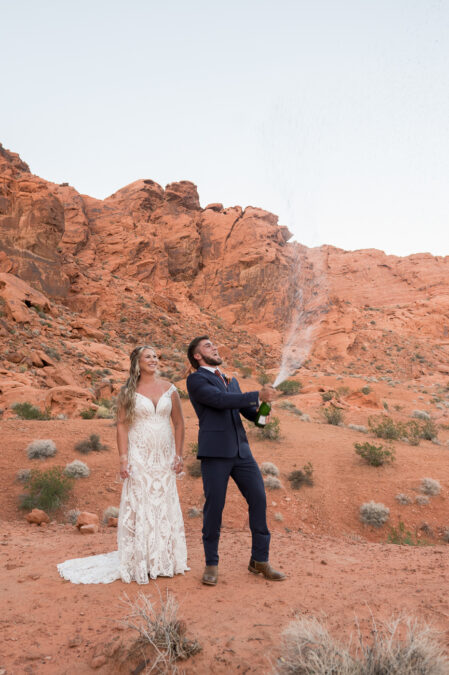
224, 452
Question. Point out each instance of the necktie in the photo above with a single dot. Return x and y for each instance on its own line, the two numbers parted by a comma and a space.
217, 372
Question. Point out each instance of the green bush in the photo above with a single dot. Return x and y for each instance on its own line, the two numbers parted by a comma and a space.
272, 430
47, 490
91, 444
327, 395
301, 477
375, 455
384, 426
193, 448
194, 469
366, 390
428, 430
288, 387
333, 415
27, 411
88, 413
263, 378
402, 537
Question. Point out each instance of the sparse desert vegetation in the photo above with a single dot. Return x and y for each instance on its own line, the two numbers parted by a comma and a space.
41, 449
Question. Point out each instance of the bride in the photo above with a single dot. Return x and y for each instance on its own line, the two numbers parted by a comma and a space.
150, 535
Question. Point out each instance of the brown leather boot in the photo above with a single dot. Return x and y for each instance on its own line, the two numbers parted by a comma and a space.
266, 570
210, 575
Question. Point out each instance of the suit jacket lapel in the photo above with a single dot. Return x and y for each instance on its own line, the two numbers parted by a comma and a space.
213, 379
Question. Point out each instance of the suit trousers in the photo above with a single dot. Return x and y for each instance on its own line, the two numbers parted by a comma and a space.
246, 475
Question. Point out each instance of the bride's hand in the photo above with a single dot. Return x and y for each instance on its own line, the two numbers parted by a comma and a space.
124, 468
178, 464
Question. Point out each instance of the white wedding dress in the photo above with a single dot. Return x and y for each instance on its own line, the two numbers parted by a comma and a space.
150, 535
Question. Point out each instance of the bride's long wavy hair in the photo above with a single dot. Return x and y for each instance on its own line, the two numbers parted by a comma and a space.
126, 401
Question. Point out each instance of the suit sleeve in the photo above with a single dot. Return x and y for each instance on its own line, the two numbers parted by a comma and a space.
250, 412
205, 392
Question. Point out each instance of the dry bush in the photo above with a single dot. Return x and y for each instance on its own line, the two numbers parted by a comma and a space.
422, 500
272, 483
269, 469
421, 415
358, 427
91, 444
403, 499
301, 477
71, 516
77, 469
110, 512
333, 415
278, 516
194, 468
374, 514
272, 430
430, 486
23, 475
41, 449
160, 632
403, 646
194, 512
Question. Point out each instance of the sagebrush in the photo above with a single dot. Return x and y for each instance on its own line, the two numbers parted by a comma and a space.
269, 469
77, 469
41, 449
375, 514
91, 444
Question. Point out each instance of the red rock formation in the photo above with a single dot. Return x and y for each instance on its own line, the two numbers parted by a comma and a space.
82, 281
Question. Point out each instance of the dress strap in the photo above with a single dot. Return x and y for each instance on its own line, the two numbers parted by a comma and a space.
172, 388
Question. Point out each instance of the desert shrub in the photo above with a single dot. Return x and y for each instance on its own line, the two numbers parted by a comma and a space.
375, 455
194, 512
403, 499
402, 537
272, 483
183, 394
366, 390
327, 395
110, 512
269, 469
193, 448
374, 514
289, 387
161, 631
71, 516
421, 415
246, 371
41, 449
23, 475
104, 413
77, 469
88, 413
194, 468
28, 411
430, 486
47, 490
402, 646
422, 500
333, 415
278, 516
428, 430
91, 444
272, 430
358, 427
263, 378
412, 432
384, 426
300, 477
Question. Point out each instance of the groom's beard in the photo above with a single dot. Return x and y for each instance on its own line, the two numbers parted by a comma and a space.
212, 361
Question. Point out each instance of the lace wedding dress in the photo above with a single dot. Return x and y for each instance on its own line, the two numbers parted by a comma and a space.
150, 535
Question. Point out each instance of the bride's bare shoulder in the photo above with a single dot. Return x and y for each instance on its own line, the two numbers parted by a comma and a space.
167, 384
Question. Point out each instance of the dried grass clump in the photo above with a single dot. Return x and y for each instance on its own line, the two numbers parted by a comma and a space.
41, 449
269, 469
194, 512
71, 516
422, 500
272, 483
77, 469
301, 477
358, 427
421, 415
23, 475
402, 646
401, 498
278, 516
374, 514
91, 444
110, 512
194, 468
430, 486
161, 635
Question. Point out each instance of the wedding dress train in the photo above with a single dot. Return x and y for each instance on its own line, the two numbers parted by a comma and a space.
150, 535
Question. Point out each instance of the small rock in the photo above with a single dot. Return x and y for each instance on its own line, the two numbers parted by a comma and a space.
38, 517
98, 661
112, 522
89, 529
86, 518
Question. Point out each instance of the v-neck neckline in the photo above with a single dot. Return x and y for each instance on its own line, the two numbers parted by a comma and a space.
151, 400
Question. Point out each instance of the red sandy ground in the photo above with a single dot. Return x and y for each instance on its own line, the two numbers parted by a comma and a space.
337, 568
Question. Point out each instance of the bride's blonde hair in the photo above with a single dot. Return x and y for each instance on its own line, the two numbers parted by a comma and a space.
126, 401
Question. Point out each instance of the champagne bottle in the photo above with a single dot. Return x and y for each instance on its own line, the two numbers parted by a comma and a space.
262, 414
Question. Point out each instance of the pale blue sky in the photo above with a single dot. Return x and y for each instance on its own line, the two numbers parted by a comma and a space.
332, 114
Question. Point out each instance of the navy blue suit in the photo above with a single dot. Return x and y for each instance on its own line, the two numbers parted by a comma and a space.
224, 452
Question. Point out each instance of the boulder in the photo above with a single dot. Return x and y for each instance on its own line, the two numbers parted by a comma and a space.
38, 517
87, 518
89, 529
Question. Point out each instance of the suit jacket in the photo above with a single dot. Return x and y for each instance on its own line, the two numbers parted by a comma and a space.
221, 432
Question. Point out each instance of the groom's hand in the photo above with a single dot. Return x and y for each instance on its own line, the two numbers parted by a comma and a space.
268, 394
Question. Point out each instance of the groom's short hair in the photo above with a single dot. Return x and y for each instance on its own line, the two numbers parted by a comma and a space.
191, 349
